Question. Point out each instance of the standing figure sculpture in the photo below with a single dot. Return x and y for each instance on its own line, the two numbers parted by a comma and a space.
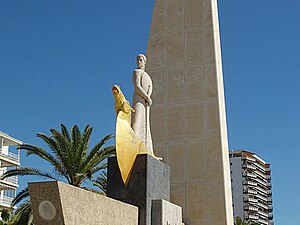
141, 102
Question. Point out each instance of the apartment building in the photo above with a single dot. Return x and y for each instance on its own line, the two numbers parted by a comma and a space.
251, 187
9, 158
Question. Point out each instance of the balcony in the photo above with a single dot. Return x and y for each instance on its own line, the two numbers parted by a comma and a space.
248, 199
269, 201
261, 197
244, 157
247, 166
261, 190
9, 158
259, 173
250, 208
270, 208
263, 183
245, 174
264, 206
250, 183
10, 181
251, 217
262, 221
269, 192
5, 201
262, 213
249, 191
263, 167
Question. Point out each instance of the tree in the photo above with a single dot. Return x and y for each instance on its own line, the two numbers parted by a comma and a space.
71, 160
239, 221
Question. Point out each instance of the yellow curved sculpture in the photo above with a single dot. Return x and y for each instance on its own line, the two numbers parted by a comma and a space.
128, 145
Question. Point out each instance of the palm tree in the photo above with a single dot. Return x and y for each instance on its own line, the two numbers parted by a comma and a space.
71, 160
22, 216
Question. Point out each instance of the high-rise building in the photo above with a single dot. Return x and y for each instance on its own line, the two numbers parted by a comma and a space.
251, 187
8, 159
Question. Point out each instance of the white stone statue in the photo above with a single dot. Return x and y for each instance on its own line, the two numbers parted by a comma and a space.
141, 102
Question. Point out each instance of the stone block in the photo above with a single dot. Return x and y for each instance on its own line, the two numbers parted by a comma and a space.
164, 212
58, 203
149, 180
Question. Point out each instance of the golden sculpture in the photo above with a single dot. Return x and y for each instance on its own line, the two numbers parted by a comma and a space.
128, 145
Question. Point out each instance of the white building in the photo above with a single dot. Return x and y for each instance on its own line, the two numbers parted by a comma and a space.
251, 187
8, 159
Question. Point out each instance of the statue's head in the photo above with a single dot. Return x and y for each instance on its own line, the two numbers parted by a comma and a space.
141, 61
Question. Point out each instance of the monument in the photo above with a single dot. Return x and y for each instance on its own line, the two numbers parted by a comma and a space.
135, 175
137, 179
188, 123
141, 102
188, 117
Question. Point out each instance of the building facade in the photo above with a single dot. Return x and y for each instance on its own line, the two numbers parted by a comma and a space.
251, 187
8, 159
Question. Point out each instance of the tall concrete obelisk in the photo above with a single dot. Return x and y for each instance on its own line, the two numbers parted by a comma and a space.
188, 117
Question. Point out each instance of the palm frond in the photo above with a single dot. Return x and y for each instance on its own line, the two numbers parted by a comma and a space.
65, 132
100, 156
43, 154
98, 146
23, 215
65, 152
75, 132
101, 182
20, 196
51, 144
84, 145
99, 167
25, 171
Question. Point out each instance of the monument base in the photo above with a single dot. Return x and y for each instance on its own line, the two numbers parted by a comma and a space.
149, 180
57, 203
164, 212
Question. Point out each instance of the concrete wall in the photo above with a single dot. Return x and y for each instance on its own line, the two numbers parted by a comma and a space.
237, 186
57, 203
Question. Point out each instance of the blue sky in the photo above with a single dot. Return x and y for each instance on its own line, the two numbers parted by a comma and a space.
59, 59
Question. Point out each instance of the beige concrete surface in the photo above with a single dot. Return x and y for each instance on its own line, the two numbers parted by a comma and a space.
56, 203
165, 213
188, 117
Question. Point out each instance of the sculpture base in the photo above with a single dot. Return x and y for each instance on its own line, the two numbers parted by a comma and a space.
149, 180
57, 203
164, 212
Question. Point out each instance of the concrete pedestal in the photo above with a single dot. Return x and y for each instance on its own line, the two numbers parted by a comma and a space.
57, 203
164, 212
150, 180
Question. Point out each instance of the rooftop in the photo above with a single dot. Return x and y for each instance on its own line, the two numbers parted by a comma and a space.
8, 140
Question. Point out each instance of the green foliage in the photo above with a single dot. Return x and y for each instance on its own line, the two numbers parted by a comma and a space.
239, 221
101, 182
5, 216
71, 158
